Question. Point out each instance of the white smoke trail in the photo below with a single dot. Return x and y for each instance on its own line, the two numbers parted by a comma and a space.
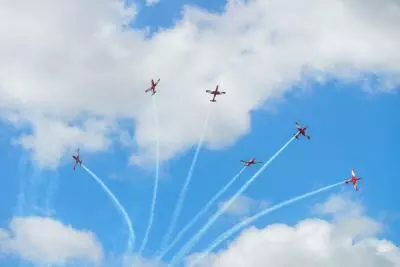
227, 234
200, 213
34, 192
44, 188
37, 193
155, 190
211, 221
186, 185
118, 205
22, 177
51, 189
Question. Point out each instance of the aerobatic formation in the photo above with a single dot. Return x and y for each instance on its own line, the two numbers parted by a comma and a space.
301, 132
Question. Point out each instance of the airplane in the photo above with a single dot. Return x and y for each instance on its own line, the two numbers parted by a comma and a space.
215, 93
153, 87
250, 162
77, 159
301, 131
353, 180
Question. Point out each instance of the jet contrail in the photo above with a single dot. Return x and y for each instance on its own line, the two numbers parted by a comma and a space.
131, 240
155, 190
189, 245
255, 217
200, 213
186, 185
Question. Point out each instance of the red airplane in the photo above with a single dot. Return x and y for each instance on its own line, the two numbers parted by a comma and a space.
353, 180
153, 87
215, 93
250, 162
77, 159
301, 131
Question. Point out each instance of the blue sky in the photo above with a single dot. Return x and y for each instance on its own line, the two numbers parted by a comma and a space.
350, 128
165, 14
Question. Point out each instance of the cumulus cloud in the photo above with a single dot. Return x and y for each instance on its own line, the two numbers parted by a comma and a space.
53, 138
61, 72
44, 240
243, 206
152, 2
139, 261
349, 215
337, 204
311, 242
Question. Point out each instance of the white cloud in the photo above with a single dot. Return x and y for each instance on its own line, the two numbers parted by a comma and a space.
91, 68
139, 261
44, 240
243, 206
53, 138
349, 215
311, 242
337, 204
152, 2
